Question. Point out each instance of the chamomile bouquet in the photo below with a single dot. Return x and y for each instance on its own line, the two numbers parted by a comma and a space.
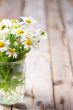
17, 38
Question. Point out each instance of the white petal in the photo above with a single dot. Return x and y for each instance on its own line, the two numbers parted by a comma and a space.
25, 18
14, 55
7, 42
10, 55
1, 49
7, 53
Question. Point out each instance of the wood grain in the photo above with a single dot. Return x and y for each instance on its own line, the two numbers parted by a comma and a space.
60, 58
71, 2
10, 8
39, 70
5, 108
68, 20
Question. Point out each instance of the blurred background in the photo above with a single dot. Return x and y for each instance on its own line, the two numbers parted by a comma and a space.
17, 8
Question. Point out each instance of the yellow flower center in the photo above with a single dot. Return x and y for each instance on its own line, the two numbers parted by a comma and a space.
19, 31
28, 41
11, 50
13, 20
42, 33
14, 26
2, 26
2, 44
28, 20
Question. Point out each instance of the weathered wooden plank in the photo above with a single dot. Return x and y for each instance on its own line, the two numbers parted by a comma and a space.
67, 9
39, 74
68, 20
5, 108
10, 8
60, 59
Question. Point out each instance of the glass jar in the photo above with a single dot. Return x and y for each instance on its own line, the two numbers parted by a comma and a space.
12, 82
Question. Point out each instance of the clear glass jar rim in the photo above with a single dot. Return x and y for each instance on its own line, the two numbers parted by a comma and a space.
15, 62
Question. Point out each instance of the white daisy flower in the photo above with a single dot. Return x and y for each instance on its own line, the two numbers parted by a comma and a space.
4, 33
11, 52
4, 45
14, 21
6, 22
28, 20
5, 30
18, 31
41, 33
27, 42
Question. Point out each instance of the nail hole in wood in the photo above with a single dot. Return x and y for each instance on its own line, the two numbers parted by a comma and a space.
62, 101
42, 107
39, 103
20, 106
58, 82
49, 106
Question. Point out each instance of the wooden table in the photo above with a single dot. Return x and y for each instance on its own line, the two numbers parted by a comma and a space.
49, 83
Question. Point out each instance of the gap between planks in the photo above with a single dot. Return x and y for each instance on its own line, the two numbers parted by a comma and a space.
67, 11
60, 57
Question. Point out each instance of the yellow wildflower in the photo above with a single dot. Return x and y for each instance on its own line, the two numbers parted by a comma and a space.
15, 26
13, 20
11, 50
2, 44
2, 26
19, 31
28, 21
28, 41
